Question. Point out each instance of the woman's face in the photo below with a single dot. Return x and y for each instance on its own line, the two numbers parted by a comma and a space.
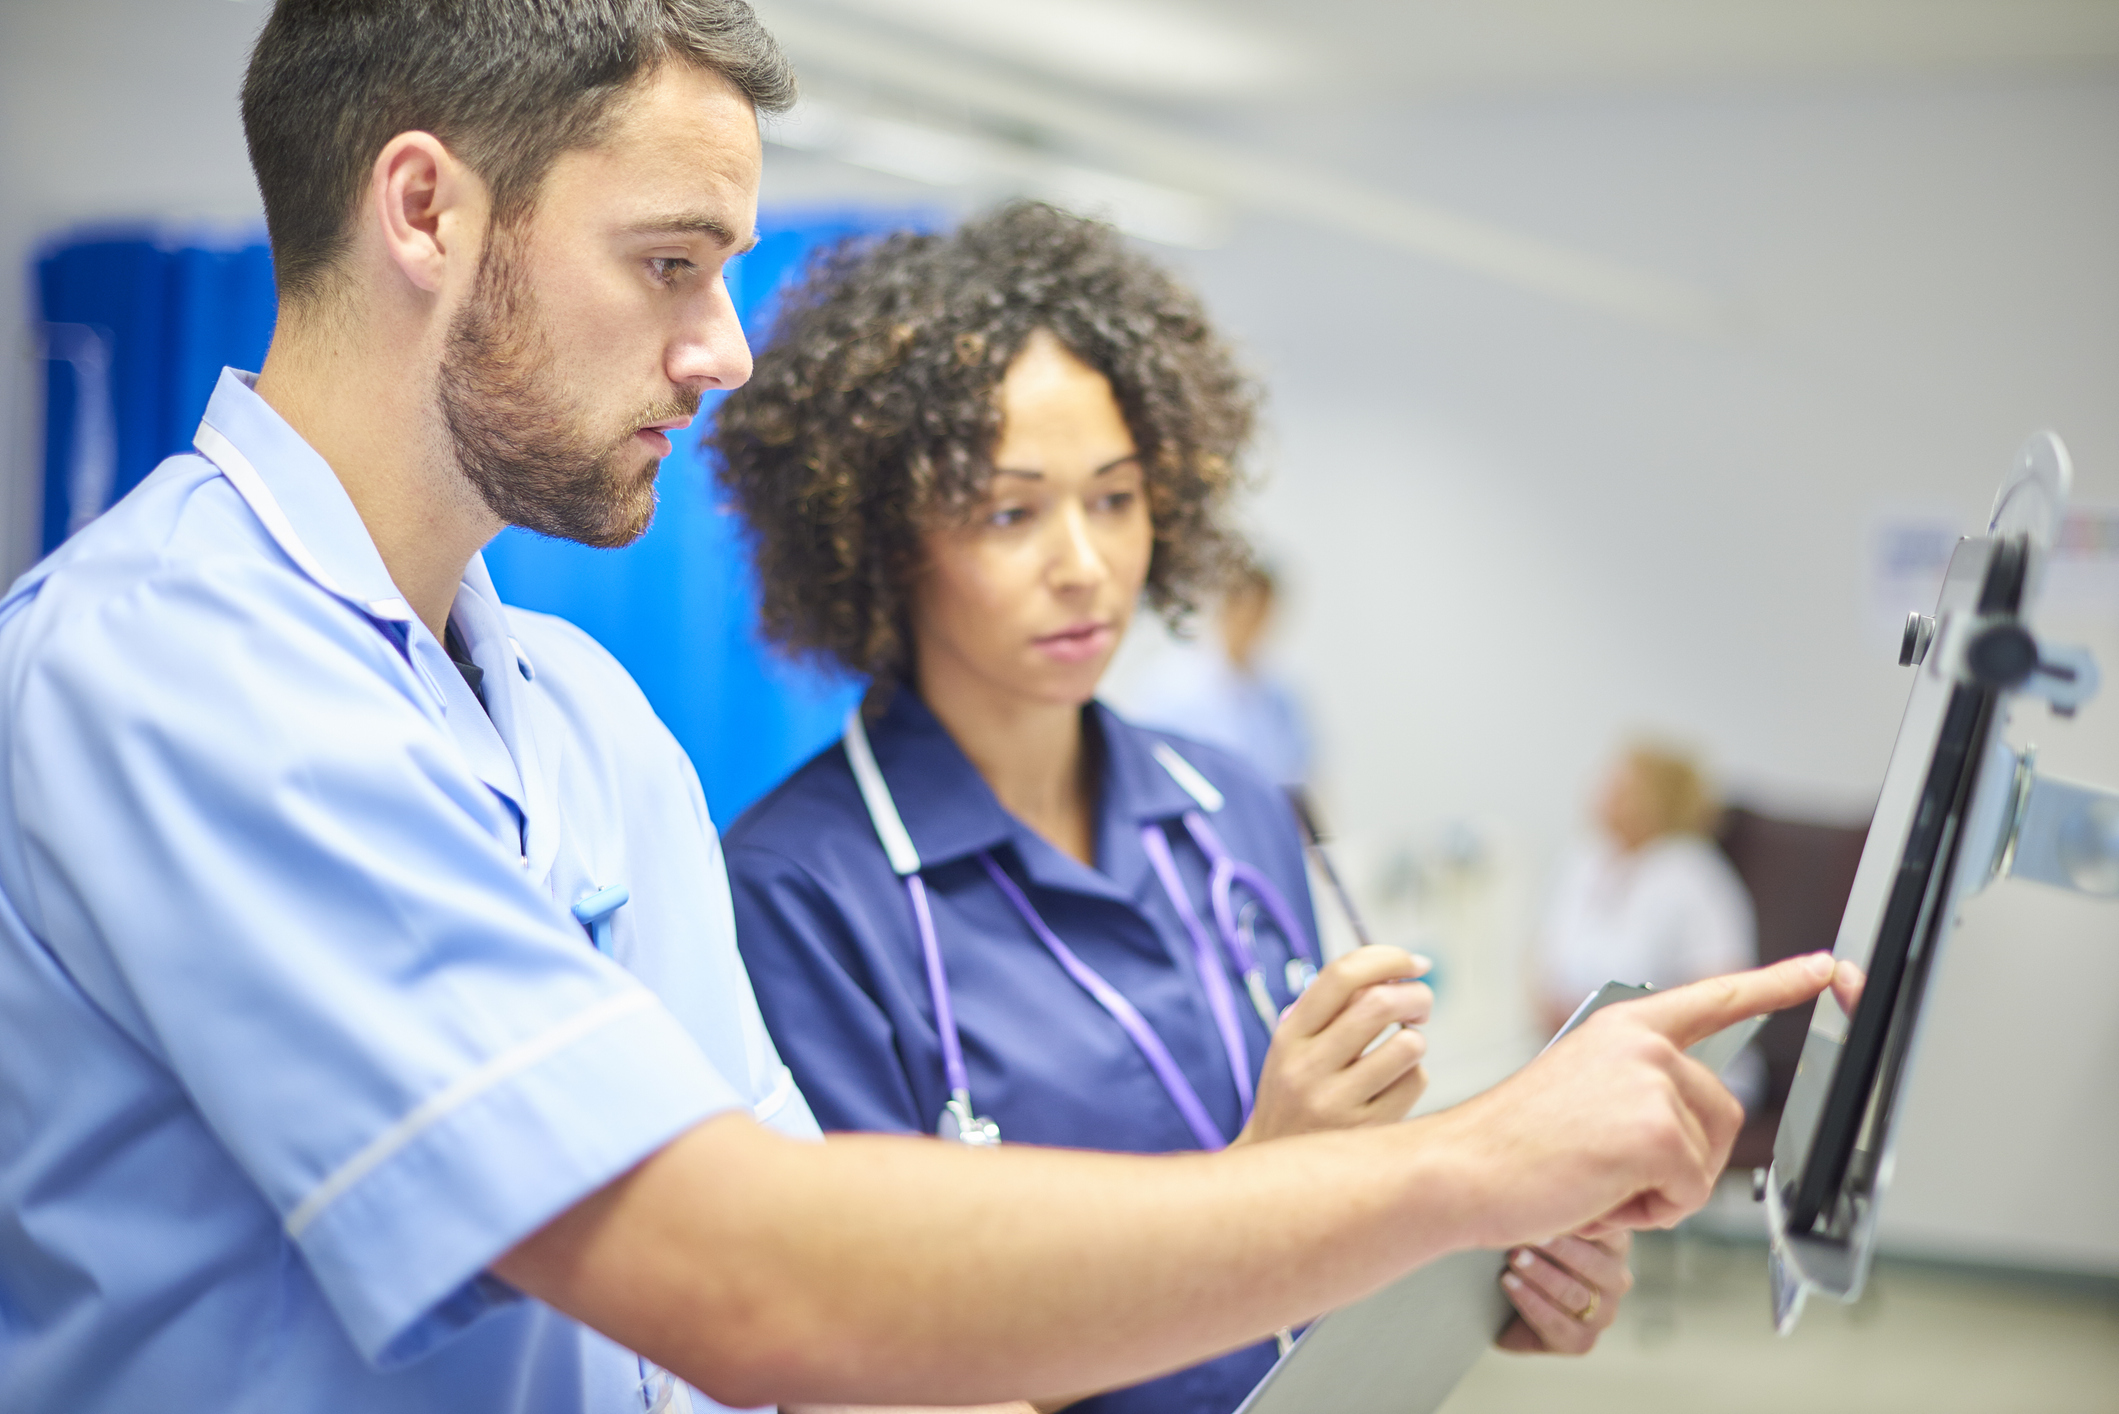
1029, 598
1624, 806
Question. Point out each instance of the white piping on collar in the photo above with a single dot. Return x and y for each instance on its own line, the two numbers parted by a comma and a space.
225, 455
875, 794
1187, 776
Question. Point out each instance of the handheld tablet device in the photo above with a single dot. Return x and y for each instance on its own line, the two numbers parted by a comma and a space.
1958, 809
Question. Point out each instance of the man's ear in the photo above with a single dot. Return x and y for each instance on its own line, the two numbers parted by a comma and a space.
430, 209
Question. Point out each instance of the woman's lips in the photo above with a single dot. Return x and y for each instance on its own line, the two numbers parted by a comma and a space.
1075, 645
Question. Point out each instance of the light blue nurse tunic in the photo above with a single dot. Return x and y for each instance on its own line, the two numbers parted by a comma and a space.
827, 931
297, 1034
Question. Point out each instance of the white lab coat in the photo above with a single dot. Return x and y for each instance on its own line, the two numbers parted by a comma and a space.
1668, 913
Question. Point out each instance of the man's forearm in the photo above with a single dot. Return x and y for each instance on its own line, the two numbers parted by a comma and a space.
880, 1270
885, 1269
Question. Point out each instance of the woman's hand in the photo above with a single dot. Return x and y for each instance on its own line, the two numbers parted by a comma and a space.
1567, 1292
1321, 1072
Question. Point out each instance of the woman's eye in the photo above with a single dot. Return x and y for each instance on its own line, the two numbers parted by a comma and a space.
1005, 516
1119, 500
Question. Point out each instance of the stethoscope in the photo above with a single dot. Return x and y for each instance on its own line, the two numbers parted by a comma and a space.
1233, 927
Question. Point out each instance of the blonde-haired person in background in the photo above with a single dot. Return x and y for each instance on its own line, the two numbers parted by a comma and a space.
1651, 899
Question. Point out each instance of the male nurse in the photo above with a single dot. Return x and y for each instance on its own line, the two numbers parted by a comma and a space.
371, 1032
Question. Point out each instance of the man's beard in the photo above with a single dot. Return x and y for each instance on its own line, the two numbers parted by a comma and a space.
519, 441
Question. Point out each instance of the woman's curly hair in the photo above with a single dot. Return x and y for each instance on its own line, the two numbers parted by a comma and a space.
873, 413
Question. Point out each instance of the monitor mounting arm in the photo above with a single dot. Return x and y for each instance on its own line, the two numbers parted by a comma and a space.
2046, 829
2060, 832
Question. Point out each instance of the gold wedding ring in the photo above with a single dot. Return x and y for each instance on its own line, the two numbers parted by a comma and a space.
1590, 1310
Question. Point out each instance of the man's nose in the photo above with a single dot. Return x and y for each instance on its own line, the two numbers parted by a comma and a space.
710, 350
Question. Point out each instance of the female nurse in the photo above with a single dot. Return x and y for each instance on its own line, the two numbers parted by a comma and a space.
996, 910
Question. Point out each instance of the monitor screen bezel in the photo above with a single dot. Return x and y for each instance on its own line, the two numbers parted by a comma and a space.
1830, 1168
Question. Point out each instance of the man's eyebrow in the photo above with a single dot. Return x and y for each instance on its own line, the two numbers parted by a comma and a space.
694, 224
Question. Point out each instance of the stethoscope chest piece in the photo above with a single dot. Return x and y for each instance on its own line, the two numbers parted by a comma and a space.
959, 1125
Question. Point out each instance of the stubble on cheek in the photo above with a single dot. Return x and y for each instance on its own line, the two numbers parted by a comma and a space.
520, 441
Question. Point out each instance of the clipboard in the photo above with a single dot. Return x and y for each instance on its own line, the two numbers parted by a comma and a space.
1403, 1349
1400, 1351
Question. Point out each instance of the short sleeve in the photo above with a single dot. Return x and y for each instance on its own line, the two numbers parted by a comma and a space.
816, 986
249, 837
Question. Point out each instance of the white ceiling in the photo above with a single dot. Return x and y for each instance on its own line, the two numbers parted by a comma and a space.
1254, 49
1436, 46
1174, 118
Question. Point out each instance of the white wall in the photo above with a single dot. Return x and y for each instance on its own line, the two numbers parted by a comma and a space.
1516, 530
109, 110
1653, 528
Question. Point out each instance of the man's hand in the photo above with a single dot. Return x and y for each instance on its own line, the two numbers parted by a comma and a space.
1567, 1292
1615, 1127
1321, 1073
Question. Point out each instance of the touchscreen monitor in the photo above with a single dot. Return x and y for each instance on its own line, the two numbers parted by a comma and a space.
1932, 841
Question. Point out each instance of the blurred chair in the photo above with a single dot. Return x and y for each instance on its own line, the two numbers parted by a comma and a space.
1799, 874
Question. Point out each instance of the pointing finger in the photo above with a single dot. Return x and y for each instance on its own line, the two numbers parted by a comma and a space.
1688, 1015
1847, 983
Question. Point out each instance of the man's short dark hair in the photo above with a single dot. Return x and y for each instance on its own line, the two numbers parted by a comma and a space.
507, 84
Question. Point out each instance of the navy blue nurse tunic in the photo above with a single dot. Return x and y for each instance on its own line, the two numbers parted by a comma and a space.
827, 933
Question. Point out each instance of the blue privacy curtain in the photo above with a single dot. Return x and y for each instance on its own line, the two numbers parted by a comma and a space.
137, 327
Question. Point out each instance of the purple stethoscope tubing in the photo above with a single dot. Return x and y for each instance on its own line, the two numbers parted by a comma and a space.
1127, 1015
1221, 1001
1226, 872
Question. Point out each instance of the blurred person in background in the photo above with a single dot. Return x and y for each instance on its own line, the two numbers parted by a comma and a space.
1226, 693
1651, 899
963, 461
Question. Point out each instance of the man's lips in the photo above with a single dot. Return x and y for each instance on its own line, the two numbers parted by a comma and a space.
656, 434
1076, 642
